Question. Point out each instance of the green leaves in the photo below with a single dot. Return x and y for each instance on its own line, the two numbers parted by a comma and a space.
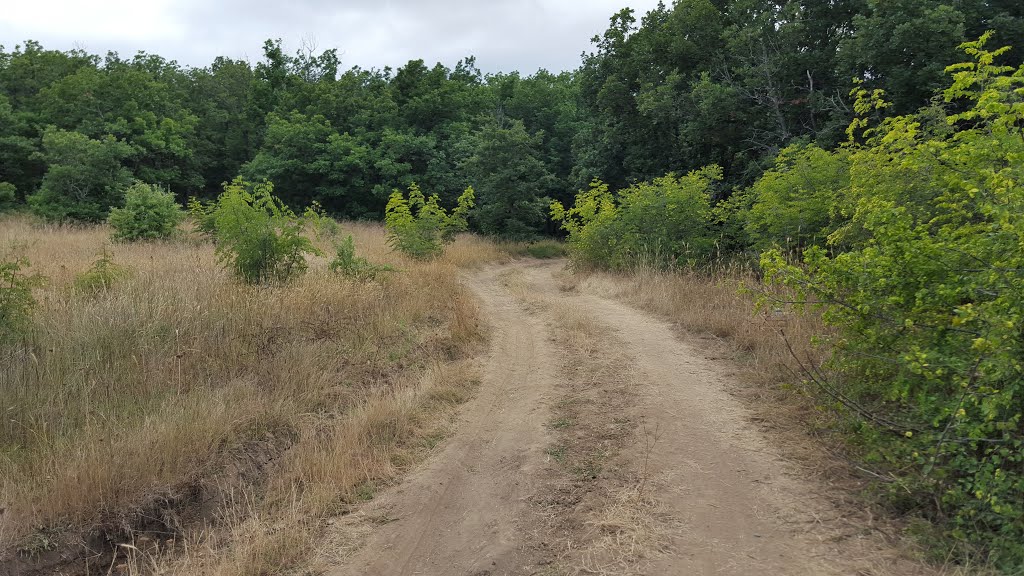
148, 214
16, 300
927, 301
85, 178
419, 227
665, 222
258, 237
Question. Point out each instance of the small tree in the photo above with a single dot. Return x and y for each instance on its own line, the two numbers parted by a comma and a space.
148, 214
85, 178
8, 198
419, 227
258, 237
16, 301
348, 264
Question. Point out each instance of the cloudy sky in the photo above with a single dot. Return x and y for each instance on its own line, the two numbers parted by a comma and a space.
503, 34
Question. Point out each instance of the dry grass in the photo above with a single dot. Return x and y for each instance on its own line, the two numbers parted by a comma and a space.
762, 343
181, 405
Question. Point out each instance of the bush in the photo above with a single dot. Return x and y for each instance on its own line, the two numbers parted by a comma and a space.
348, 264
101, 276
797, 204
258, 238
16, 300
666, 222
928, 305
84, 178
148, 214
419, 227
8, 198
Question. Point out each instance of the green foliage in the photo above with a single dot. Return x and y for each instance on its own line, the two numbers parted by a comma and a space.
148, 214
546, 249
258, 237
798, 203
84, 179
665, 222
349, 265
419, 227
8, 198
101, 276
16, 300
928, 307
513, 181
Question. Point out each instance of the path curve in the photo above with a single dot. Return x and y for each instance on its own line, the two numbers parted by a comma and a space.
737, 506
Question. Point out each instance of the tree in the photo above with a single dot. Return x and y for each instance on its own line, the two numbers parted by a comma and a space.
419, 227
148, 214
258, 237
925, 306
307, 157
84, 179
513, 183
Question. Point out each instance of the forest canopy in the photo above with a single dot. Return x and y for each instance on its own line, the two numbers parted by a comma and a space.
700, 82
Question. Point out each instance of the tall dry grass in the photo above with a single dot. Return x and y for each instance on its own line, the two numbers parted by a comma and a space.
181, 407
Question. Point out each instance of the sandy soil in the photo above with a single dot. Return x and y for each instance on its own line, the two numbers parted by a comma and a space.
710, 487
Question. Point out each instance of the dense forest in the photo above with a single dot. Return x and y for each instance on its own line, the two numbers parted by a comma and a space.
868, 152
724, 82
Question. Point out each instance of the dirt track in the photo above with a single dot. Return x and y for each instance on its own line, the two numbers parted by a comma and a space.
681, 482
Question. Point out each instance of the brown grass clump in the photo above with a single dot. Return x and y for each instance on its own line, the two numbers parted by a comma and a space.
219, 423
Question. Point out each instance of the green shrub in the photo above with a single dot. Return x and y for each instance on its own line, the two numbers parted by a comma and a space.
319, 222
148, 214
84, 178
16, 300
666, 222
101, 276
8, 196
258, 238
419, 227
928, 307
348, 264
797, 204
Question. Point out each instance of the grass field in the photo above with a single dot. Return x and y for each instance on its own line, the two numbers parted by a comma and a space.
197, 424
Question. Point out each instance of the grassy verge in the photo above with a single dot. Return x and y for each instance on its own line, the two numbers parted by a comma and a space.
189, 423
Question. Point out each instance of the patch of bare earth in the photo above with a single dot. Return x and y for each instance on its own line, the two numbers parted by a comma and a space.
602, 442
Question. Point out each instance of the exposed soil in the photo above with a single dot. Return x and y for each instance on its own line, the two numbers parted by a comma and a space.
603, 442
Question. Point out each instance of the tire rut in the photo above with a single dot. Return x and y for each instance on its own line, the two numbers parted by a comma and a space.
719, 496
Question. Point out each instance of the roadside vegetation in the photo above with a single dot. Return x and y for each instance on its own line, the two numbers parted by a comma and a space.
160, 408
906, 242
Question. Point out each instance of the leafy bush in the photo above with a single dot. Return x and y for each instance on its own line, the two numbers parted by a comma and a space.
8, 198
419, 227
101, 276
928, 304
797, 204
148, 214
258, 237
84, 178
665, 222
16, 300
348, 264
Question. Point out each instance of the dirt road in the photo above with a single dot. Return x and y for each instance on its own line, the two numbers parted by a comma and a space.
602, 443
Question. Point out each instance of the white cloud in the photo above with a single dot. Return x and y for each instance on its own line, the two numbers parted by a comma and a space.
503, 34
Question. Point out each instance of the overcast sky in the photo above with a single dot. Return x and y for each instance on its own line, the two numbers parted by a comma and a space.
504, 35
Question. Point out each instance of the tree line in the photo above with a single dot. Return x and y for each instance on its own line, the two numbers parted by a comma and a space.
700, 82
